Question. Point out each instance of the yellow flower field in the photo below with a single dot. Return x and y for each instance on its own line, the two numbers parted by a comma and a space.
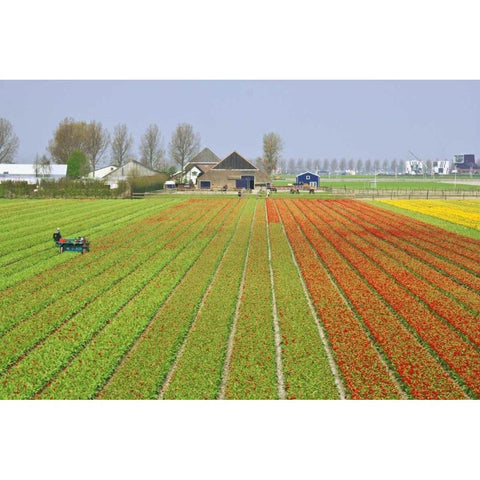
462, 212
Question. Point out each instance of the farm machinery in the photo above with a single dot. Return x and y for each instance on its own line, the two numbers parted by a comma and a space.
79, 244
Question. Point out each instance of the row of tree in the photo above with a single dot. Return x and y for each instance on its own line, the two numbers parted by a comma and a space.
85, 146
94, 141
333, 165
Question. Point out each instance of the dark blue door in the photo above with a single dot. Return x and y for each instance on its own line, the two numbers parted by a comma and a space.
249, 181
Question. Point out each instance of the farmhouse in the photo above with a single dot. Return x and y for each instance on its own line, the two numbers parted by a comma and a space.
308, 178
200, 164
234, 172
23, 172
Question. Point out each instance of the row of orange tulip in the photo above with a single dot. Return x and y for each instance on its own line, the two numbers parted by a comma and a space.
392, 313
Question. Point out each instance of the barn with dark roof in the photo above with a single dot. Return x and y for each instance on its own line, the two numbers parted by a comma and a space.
233, 172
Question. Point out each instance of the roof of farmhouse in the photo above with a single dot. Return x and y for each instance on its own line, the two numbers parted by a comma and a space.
205, 156
234, 162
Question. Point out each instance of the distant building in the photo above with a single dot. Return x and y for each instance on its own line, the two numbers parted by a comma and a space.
414, 167
308, 178
28, 172
126, 171
441, 167
466, 163
233, 172
435, 167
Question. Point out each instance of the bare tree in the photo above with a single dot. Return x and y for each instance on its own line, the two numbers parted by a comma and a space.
97, 140
385, 165
8, 142
359, 165
334, 165
68, 137
184, 145
41, 166
37, 166
368, 166
45, 166
394, 166
121, 145
299, 165
282, 165
151, 150
272, 147
291, 165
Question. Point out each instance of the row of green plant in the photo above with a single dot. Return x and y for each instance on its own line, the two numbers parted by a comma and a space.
142, 267
199, 370
30, 260
93, 367
306, 368
47, 287
144, 371
252, 371
23, 231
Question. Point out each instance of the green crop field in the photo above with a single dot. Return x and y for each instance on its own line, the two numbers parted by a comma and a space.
220, 297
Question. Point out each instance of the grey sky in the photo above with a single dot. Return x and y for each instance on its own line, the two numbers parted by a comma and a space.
316, 119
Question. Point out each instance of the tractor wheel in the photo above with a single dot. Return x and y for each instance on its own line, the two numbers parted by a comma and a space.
61, 249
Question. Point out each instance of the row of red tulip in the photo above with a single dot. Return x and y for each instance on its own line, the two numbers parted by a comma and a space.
449, 245
390, 312
456, 303
364, 372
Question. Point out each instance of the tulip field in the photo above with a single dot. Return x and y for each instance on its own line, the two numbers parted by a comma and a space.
238, 298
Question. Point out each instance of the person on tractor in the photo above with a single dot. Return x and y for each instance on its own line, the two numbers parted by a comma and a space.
57, 235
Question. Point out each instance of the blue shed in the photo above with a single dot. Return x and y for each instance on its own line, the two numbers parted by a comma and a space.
308, 178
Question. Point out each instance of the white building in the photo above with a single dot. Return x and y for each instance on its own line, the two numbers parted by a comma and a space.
418, 167
126, 171
25, 172
102, 172
442, 167
414, 167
